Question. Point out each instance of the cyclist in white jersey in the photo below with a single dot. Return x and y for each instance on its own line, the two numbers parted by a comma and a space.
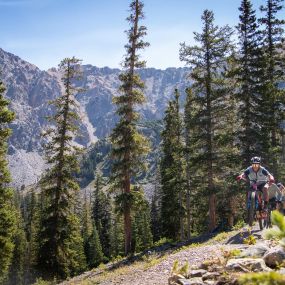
259, 178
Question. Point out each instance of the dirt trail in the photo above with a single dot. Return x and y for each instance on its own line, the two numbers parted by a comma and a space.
155, 269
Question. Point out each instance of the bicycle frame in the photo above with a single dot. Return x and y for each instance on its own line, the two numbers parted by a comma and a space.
255, 204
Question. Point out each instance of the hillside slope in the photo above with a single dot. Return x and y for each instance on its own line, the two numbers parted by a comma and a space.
154, 267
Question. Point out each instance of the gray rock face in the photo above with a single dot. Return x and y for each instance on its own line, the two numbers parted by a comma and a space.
29, 89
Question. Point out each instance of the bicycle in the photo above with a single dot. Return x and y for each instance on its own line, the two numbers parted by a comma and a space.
255, 205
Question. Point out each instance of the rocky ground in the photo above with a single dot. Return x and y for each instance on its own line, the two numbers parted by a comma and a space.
208, 260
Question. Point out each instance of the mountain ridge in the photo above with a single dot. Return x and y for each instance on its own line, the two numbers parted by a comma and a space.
29, 89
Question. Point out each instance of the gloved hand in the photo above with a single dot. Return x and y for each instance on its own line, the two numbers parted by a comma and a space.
239, 177
271, 180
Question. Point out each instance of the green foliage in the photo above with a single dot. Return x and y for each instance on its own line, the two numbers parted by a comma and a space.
94, 252
129, 147
250, 240
117, 236
239, 225
141, 232
209, 118
102, 215
162, 241
172, 171
228, 254
31, 215
40, 281
183, 270
279, 233
248, 75
97, 155
60, 245
175, 266
274, 71
7, 212
16, 270
263, 278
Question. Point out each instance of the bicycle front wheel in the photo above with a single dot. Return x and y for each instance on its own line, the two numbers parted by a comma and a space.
251, 209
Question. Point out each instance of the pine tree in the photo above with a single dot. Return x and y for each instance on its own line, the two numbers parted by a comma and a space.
129, 146
16, 271
231, 191
61, 246
142, 236
94, 254
273, 75
189, 122
7, 211
102, 216
172, 173
156, 207
208, 60
87, 227
249, 77
31, 217
117, 236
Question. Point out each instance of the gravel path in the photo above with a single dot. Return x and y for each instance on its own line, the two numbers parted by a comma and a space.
157, 273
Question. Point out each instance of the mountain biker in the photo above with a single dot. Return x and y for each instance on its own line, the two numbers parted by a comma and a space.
282, 198
259, 178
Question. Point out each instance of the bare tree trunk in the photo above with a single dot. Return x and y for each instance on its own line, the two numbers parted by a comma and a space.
232, 212
127, 218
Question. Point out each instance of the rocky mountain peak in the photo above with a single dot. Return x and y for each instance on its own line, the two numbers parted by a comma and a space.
29, 90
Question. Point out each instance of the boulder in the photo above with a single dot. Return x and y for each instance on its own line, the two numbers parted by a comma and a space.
197, 273
247, 264
257, 250
274, 257
210, 276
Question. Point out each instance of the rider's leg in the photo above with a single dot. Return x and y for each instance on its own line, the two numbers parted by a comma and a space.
265, 195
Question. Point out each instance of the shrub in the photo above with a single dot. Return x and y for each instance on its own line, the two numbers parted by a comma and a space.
264, 278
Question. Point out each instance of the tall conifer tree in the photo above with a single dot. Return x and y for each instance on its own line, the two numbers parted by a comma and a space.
189, 123
101, 214
249, 77
61, 246
172, 173
208, 61
16, 271
273, 75
31, 217
7, 211
94, 254
129, 146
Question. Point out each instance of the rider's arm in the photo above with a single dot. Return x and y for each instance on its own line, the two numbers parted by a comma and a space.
244, 175
269, 175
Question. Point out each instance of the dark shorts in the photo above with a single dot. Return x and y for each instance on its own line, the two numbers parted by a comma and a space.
260, 187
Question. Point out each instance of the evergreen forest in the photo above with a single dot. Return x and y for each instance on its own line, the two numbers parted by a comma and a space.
234, 110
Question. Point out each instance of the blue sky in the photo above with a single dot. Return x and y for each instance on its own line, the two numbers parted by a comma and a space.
44, 32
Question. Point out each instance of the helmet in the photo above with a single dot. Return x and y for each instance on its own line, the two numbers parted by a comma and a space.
256, 159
